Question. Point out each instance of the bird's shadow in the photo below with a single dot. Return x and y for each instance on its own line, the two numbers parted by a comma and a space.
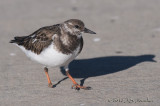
85, 68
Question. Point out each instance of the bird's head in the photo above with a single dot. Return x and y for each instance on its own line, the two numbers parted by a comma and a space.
76, 27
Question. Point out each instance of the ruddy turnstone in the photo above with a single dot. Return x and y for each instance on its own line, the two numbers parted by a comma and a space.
55, 46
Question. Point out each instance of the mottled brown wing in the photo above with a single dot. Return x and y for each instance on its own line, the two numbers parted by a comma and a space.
38, 40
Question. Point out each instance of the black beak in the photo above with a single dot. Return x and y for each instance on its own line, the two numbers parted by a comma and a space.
88, 31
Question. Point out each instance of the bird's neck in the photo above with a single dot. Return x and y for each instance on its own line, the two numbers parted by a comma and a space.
66, 37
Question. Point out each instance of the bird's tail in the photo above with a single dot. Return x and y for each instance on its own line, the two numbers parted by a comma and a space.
18, 40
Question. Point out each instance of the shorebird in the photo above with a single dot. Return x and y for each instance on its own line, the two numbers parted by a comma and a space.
55, 46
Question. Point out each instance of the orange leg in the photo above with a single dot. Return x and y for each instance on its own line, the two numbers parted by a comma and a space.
49, 81
75, 84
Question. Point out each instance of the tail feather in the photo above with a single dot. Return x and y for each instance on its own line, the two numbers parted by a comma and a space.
12, 41
18, 40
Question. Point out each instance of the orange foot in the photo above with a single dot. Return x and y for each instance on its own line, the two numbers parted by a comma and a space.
75, 85
78, 87
50, 85
48, 78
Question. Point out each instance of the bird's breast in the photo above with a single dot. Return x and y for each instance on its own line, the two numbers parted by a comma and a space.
51, 57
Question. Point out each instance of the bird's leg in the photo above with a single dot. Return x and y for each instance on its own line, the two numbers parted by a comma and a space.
75, 84
49, 81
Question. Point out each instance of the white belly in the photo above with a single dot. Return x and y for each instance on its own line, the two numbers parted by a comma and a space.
51, 57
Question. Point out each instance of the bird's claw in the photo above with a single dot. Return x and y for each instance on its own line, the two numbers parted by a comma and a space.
78, 87
50, 85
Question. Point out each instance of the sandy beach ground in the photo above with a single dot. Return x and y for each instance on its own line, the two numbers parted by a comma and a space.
118, 62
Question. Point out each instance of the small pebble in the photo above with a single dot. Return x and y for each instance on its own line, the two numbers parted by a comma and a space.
96, 39
115, 18
119, 52
12, 54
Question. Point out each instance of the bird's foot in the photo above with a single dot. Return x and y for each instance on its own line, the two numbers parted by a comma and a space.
78, 87
50, 85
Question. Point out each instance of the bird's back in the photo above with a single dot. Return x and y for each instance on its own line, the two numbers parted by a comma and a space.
39, 40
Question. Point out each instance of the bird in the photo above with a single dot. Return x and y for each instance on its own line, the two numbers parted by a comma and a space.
55, 46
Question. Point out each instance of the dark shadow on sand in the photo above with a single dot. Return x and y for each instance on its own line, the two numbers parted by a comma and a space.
85, 68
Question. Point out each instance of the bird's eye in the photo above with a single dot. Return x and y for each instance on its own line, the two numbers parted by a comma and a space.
76, 26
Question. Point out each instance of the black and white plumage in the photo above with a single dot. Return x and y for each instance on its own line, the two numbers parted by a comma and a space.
55, 45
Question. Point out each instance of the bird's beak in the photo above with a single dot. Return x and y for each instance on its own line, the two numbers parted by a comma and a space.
88, 31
